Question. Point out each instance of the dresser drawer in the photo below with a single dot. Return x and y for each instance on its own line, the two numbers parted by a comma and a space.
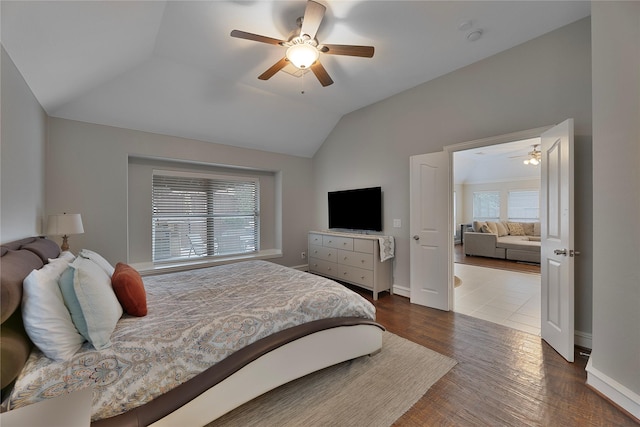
362, 245
338, 242
323, 267
356, 275
355, 259
320, 252
315, 239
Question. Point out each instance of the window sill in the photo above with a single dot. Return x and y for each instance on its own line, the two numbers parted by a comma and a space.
149, 268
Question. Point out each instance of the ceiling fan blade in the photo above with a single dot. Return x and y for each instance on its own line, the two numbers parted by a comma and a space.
313, 15
255, 37
350, 50
274, 69
321, 74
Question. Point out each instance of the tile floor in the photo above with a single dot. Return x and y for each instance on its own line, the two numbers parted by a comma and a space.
504, 297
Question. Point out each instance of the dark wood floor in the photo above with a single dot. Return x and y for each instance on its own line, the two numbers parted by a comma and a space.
504, 377
502, 264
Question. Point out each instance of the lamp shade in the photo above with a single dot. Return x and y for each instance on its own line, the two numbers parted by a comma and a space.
302, 55
64, 224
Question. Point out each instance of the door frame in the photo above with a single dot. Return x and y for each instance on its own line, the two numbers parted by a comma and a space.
477, 143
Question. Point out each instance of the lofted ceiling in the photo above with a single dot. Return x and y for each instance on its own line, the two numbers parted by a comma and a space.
172, 68
495, 163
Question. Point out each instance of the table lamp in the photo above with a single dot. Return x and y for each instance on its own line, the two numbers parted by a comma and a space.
64, 225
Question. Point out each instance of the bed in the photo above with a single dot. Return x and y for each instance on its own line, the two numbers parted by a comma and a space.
213, 339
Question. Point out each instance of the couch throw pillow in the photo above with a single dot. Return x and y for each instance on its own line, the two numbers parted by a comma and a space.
129, 288
490, 227
515, 229
477, 226
528, 228
502, 229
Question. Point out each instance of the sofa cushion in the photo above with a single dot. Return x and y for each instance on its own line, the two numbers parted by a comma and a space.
518, 242
490, 227
502, 228
477, 226
515, 229
528, 228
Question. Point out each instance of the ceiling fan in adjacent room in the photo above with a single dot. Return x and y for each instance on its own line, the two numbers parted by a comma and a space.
303, 49
533, 157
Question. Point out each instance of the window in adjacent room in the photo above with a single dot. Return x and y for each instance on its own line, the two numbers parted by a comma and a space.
198, 215
486, 205
524, 205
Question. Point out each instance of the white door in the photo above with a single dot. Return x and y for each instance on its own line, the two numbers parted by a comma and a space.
431, 242
557, 254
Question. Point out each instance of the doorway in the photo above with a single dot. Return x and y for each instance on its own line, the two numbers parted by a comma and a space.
497, 183
431, 250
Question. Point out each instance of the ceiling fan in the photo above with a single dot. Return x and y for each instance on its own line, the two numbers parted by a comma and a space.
534, 157
303, 49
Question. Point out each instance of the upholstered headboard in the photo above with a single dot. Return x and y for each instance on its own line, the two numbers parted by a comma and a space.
17, 260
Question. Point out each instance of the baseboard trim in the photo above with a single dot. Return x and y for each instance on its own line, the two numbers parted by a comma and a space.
610, 389
583, 339
403, 291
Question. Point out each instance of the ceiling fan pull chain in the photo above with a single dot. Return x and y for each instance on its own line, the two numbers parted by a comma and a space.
302, 83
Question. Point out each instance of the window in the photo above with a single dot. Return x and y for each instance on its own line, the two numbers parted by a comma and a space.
524, 205
486, 205
203, 216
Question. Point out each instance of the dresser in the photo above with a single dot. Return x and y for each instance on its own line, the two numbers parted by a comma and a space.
351, 258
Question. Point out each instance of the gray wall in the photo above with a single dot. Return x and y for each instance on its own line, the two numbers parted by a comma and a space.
616, 196
539, 83
88, 173
23, 149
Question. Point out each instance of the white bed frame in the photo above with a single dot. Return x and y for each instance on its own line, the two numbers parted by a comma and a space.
280, 366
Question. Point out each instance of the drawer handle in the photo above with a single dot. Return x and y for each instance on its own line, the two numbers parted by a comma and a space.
330, 241
362, 277
344, 243
328, 254
362, 261
345, 258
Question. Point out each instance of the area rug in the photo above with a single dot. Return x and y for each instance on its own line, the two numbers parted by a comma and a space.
368, 391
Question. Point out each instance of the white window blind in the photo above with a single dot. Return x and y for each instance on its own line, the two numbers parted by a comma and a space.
524, 205
204, 217
486, 205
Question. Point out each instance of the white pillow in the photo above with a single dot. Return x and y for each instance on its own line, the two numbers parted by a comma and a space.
99, 304
46, 319
65, 255
98, 259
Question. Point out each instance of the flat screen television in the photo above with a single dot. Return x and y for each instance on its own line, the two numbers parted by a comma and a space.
358, 209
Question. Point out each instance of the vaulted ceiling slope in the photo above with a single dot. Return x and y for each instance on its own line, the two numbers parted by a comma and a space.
172, 68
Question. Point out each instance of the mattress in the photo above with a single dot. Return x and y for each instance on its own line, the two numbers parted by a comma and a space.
195, 319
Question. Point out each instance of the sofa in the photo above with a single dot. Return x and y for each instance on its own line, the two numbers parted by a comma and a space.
518, 241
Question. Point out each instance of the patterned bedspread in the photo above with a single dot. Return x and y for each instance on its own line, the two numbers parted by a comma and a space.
195, 319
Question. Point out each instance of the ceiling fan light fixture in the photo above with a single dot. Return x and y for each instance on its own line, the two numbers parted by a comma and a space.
302, 55
535, 157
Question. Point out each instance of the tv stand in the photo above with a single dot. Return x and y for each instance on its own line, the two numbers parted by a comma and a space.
351, 258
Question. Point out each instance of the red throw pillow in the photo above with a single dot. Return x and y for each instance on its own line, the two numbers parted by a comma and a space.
128, 287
